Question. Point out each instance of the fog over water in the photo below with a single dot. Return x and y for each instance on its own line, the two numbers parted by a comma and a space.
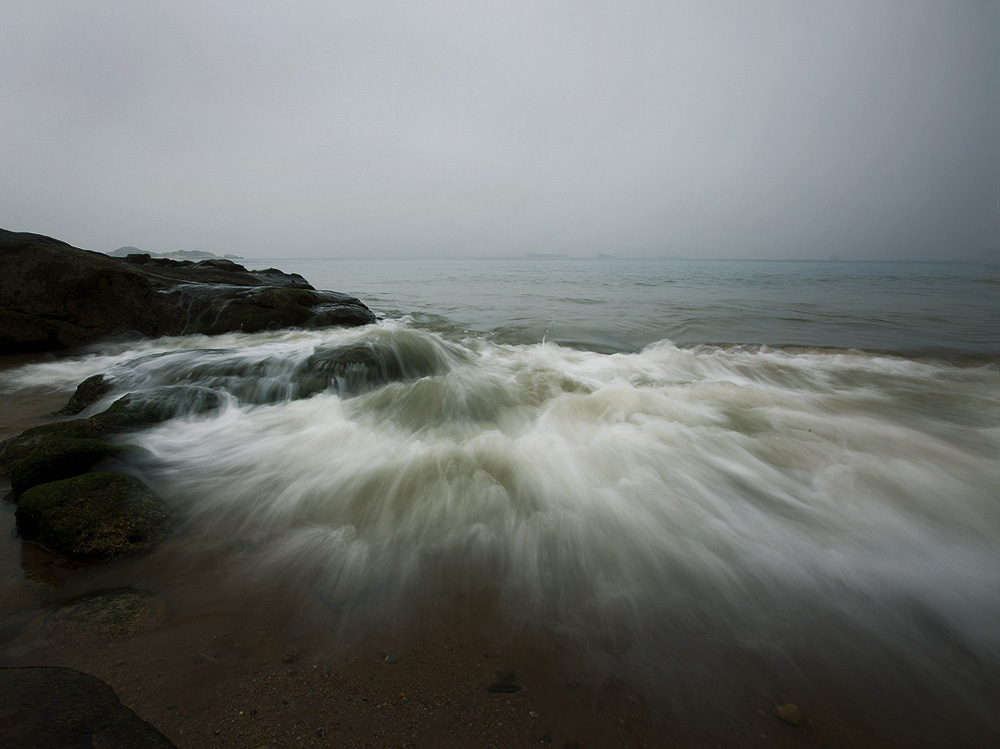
703, 129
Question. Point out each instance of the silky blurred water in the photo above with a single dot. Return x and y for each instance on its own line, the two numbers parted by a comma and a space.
793, 460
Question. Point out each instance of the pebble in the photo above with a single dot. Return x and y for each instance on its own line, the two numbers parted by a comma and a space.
789, 713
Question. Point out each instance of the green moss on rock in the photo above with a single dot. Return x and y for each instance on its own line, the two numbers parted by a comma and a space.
94, 517
59, 458
19, 447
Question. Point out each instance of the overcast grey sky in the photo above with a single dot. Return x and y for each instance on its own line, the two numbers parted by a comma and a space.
706, 128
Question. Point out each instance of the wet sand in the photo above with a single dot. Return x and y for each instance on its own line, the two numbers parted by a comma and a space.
225, 669
253, 667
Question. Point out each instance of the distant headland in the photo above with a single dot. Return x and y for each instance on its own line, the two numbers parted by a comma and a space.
176, 255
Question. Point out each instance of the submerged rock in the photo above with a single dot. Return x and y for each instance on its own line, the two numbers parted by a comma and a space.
105, 616
147, 407
94, 517
57, 296
61, 707
87, 393
355, 367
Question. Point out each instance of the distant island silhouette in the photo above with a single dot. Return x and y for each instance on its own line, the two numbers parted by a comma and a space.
176, 255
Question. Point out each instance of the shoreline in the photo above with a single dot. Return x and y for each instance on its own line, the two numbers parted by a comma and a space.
241, 662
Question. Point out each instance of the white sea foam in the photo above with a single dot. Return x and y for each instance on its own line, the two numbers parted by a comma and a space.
613, 488
760, 493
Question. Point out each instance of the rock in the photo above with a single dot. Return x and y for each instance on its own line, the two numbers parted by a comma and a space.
87, 393
94, 517
789, 713
356, 367
500, 688
59, 458
147, 407
105, 616
57, 296
61, 707
219, 309
504, 683
17, 448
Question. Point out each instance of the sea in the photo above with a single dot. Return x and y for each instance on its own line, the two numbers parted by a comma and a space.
675, 464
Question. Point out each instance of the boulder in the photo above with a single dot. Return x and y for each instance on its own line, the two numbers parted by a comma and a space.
55, 296
59, 458
18, 448
147, 407
61, 707
87, 393
222, 308
354, 367
94, 517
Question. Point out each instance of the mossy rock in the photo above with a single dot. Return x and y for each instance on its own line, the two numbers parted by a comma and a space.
147, 407
87, 393
59, 458
94, 517
17, 448
105, 616
60, 707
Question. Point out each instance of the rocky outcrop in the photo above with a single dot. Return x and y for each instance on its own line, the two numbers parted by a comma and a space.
19, 447
60, 458
60, 707
147, 407
93, 517
55, 296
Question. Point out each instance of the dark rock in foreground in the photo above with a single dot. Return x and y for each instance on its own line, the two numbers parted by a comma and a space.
60, 707
19, 447
55, 296
93, 517
59, 458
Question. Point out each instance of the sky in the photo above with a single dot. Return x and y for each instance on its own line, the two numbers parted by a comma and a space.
711, 128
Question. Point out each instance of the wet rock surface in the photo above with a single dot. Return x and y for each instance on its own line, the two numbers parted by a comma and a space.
86, 394
56, 296
93, 517
59, 458
61, 707
147, 407
19, 447
105, 616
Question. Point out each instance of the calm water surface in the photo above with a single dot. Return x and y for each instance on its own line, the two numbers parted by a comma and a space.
623, 305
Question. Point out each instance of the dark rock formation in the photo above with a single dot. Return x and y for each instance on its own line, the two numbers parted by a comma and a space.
19, 447
87, 393
147, 407
55, 296
60, 707
59, 458
355, 367
94, 517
